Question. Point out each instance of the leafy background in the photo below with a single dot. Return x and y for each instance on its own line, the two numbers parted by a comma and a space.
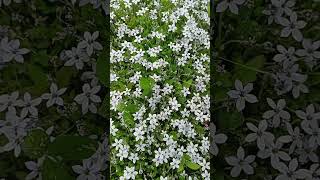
47, 28
243, 46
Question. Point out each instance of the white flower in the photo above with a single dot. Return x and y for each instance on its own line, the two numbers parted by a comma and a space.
10, 102
134, 157
164, 119
117, 143
76, 57
88, 170
123, 152
185, 91
89, 42
130, 173
139, 133
292, 27
35, 168
113, 77
140, 147
88, 98
54, 95
10, 49
29, 104
174, 104
175, 163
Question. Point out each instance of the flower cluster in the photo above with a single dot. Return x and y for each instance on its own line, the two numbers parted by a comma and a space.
159, 89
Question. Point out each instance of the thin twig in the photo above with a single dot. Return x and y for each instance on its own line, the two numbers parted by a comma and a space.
244, 66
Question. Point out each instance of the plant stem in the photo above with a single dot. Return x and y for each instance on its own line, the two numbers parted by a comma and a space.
244, 66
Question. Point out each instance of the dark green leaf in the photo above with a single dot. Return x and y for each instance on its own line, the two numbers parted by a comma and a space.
39, 79
54, 169
102, 69
72, 147
35, 144
229, 120
248, 72
64, 76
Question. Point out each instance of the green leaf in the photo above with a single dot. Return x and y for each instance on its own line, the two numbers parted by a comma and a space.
128, 119
121, 106
146, 85
5, 167
103, 110
53, 169
64, 76
21, 175
220, 94
218, 175
102, 69
132, 108
199, 129
229, 120
223, 79
248, 72
192, 165
41, 35
41, 58
35, 144
188, 83
185, 158
72, 147
181, 167
39, 79
314, 78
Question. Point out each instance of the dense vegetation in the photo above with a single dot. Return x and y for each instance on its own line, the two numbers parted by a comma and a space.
52, 106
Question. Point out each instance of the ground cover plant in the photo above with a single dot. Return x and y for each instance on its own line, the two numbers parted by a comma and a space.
159, 89
265, 90
263, 98
52, 108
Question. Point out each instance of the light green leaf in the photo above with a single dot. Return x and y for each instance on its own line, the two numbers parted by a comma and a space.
146, 85
128, 119
188, 83
192, 165
181, 167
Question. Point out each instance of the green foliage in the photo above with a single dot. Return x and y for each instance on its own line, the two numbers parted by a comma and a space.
64, 75
102, 69
72, 147
35, 144
54, 169
248, 72
244, 47
47, 29
39, 79
104, 108
146, 84
229, 120
128, 119
192, 165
